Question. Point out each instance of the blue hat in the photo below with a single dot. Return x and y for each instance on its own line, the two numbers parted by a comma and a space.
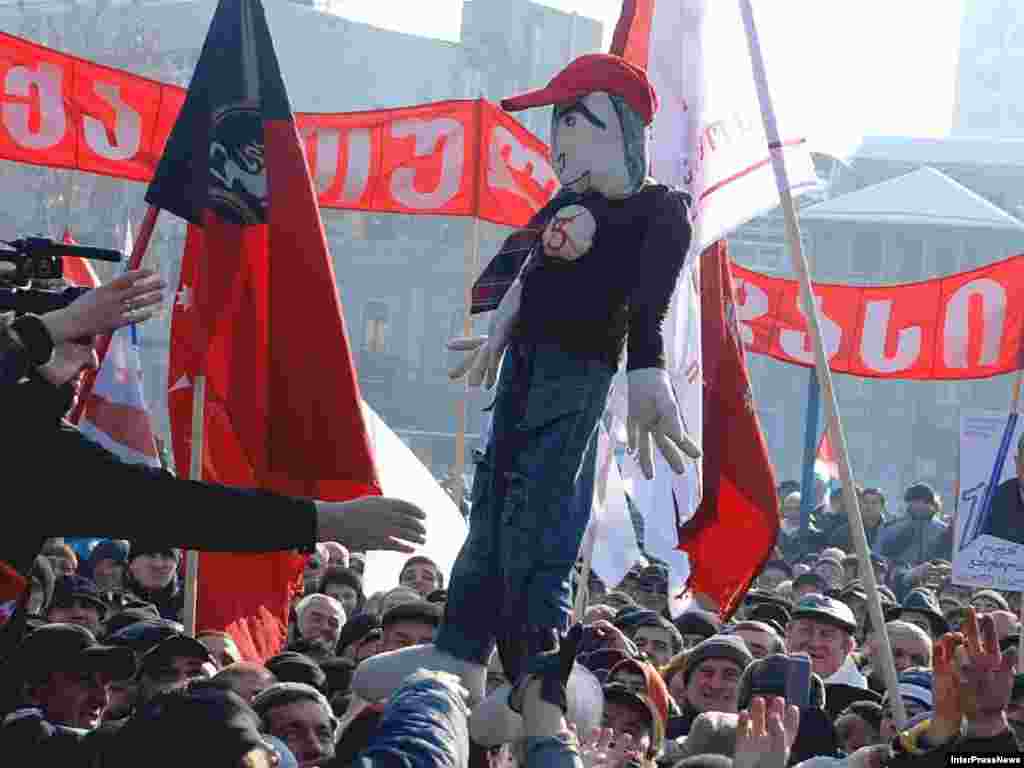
915, 684
110, 549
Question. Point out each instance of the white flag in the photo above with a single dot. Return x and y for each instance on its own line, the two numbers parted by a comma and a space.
708, 138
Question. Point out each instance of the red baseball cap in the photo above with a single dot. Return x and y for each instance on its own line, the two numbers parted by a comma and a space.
589, 73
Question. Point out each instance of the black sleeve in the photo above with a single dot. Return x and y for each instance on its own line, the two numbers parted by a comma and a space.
78, 488
661, 255
15, 362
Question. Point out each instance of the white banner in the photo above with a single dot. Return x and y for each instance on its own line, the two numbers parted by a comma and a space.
980, 559
404, 476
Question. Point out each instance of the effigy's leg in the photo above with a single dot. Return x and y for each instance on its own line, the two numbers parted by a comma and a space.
473, 610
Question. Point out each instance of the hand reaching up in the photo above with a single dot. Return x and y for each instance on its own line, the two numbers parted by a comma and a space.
605, 748
765, 734
973, 679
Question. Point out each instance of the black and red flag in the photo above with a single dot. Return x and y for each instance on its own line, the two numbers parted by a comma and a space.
258, 313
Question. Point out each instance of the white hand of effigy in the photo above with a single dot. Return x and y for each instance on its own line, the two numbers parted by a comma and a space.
485, 352
654, 417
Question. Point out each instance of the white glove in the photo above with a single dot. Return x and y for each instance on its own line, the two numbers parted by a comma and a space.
654, 412
486, 351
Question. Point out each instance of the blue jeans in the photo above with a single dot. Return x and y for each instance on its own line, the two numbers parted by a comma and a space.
532, 495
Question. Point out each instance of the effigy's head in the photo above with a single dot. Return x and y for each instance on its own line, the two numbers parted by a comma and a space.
602, 109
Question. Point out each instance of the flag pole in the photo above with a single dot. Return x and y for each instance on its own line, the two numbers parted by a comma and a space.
195, 473
103, 344
807, 499
834, 424
462, 404
472, 266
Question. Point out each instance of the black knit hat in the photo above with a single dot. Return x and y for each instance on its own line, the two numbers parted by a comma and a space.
770, 613
291, 667
729, 647
419, 611
146, 547
202, 725
921, 492
922, 601
356, 628
698, 623
68, 648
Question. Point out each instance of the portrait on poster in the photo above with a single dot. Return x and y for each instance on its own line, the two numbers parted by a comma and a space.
988, 548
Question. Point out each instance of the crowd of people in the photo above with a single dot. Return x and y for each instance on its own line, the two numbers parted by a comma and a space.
106, 668
98, 671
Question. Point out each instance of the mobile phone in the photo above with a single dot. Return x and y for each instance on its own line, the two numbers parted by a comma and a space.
798, 681
781, 675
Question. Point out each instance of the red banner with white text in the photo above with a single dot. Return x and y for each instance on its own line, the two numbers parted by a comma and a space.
964, 326
60, 111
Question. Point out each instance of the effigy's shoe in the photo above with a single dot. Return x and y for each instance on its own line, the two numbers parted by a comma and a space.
493, 722
377, 677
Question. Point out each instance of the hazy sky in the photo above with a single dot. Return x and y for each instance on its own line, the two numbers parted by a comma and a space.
847, 68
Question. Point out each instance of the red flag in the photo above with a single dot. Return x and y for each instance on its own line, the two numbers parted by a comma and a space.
77, 271
258, 313
732, 534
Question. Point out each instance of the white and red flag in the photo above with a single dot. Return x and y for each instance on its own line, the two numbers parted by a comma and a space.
708, 139
115, 414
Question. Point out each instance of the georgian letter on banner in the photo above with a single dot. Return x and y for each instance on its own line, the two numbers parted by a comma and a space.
751, 303
428, 133
328, 161
127, 126
875, 333
957, 331
48, 81
508, 154
793, 342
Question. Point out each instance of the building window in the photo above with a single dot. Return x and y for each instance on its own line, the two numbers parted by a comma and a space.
945, 259
866, 255
906, 255
376, 327
947, 393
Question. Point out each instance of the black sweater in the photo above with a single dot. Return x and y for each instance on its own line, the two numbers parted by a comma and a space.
620, 288
59, 483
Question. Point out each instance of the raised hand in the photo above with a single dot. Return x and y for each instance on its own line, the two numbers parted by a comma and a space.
131, 298
605, 748
654, 419
945, 724
986, 675
765, 734
485, 351
371, 523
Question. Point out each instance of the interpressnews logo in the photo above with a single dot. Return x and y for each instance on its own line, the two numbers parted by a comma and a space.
984, 759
